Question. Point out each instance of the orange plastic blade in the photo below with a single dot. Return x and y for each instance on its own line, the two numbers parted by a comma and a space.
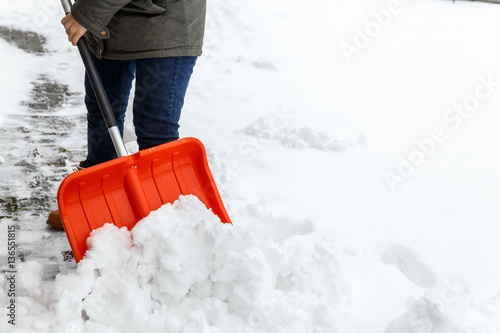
126, 189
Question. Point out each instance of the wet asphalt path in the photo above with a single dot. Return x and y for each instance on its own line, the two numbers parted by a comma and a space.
39, 143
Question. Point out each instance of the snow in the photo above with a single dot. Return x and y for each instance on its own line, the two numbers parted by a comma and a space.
362, 186
187, 271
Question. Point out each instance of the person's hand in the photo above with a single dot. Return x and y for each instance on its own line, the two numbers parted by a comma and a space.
74, 30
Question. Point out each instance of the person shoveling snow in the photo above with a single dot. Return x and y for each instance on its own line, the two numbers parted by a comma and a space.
127, 42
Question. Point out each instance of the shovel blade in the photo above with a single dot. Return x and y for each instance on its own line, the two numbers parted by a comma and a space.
127, 189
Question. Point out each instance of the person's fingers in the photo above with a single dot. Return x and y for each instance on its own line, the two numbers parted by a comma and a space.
77, 35
74, 30
65, 20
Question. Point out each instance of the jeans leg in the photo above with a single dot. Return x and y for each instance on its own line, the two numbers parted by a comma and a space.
116, 77
161, 84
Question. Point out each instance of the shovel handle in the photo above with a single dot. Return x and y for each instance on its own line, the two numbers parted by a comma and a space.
100, 93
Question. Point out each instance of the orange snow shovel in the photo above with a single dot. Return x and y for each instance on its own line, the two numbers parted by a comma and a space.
125, 190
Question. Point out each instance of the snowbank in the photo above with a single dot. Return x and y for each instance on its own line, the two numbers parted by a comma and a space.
184, 271
181, 270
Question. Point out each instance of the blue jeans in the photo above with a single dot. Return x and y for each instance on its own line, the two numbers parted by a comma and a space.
160, 87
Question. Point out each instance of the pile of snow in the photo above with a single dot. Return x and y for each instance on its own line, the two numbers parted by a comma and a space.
180, 269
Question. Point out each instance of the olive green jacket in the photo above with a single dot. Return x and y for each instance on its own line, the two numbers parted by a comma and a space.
136, 29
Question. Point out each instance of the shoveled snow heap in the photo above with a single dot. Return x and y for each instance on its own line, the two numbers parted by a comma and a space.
181, 269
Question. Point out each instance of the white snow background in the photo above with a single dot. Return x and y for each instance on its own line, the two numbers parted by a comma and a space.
355, 145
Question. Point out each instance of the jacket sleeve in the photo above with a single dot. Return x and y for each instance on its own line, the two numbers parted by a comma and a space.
96, 14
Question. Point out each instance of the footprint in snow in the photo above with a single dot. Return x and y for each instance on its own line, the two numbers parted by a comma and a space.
408, 263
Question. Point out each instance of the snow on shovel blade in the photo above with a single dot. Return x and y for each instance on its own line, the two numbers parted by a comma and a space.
125, 190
